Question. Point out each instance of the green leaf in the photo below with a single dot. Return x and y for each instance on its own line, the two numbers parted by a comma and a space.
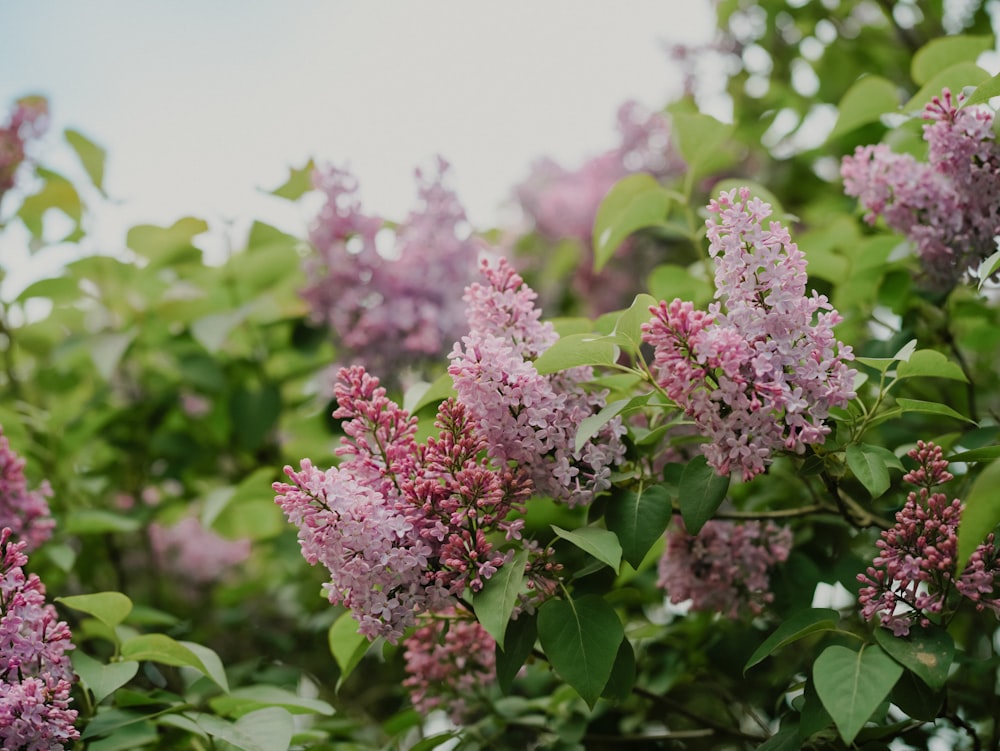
100, 679
634, 202
669, 281
167, 651
94, 521
600, 543
164, 246
592, 424
796, 627
639, 519
701, 492
701, 141
250, 512
107, 350
575, 350
211, 331
981, 454
347, 646
519, 641
299, 182
619, 686
786, 739
56, 193
495, 602
581, 638
870, 464
251, 698
984, 92
91, 156
916, 698
865, 102
988, 267
852, 684
980, 514
944, 52
60, 289
110, 608
927, 652
213, 667
418, 397
932, 364
269, 729
954, 78
930, 408
629, 324
433, 741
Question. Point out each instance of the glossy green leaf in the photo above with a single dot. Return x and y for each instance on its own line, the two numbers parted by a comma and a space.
417, 398
930, 408
519, 641
168, 651
865, 102
100, 679
630, 322
299, 182
795, 627
622, 679
930, 363
575, 350
916, 698
91, 156
669, 281
495, 602
927, 652
110, 608
852, 684
980, 515
248, 699
600, 543
870, 464
701, 492
592, 424
954, 78
634, 202
581, 637
981, 454
639, 519
347, 645
944, 52
269, 729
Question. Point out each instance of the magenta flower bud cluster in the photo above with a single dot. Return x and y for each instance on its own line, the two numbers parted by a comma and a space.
24, 511
449, 662
725, 568
389, 294
403, 527
28, 120
525, 417
760, 370
35, 671
912, 579
948, 206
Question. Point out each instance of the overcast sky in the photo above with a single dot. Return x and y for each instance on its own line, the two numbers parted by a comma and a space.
201, 104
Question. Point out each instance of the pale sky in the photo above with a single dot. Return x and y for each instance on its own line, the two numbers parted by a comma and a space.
202, 104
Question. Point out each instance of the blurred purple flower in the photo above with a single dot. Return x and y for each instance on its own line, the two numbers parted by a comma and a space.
193, 552
25, 512
28, 120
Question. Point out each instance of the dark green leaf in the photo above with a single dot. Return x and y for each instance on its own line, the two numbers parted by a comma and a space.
870, 465
619, 687
927, 652
519, 641
639, 519
701, 493
797, 626
495, 602
916, 698
852, 684
982, 454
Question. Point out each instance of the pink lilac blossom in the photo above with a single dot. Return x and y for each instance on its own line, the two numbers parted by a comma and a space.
404, 527
35, 672
726, 567
913, 576
525, 417
450, 662
760, 370
193, 552
389, 307
28, 120
25, 511
948, 206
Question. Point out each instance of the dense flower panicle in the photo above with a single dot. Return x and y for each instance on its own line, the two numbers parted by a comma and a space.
949, 206
449, 663
389, 306
25, 511
35, 671
913, 576
405, 527
759, 372
28, 120
523, 416
193, 552
725, 568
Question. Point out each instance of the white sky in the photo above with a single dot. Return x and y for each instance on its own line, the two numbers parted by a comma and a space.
202, 104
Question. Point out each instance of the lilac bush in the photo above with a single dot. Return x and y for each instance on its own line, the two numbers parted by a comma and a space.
24, 511
28, 120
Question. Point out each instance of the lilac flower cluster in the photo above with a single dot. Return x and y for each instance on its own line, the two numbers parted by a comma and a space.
758, 372
389, 306
405, 527
24, 511
194, 553
35, 672
449, 662
28, 120
525, 417
726, 567
913, 575
949, 206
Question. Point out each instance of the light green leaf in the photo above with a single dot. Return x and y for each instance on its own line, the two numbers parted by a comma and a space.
870, 464
629, 324
110, 608
212, 330
56, 193
928, 652
639, 519
251, 698
346, 645
600, 543
91, 156
988, 267
954, 78
164, 246
576, 350
865, 102
416, 399
210, 661
495, 602
581, 638
519, 641
107, 350
701, 141
250, 512
984, 92
852, 684
269, 729
167, 651
944, 52
102, 680
299, 182
634, 202
669, 281
701, 492
795, 627
60, 289
932, 364
980, 515
94, 521
930, 408
592, 424
906, 351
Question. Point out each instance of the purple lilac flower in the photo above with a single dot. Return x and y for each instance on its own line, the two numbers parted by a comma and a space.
949, 206
449, 663
193, 552
35, 672
404, 527
726, 567
758, 372
525, 417
28, 120
389, 307
24, 511
913, 576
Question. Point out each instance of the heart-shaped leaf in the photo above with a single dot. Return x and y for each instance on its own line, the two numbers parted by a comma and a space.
852, 684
